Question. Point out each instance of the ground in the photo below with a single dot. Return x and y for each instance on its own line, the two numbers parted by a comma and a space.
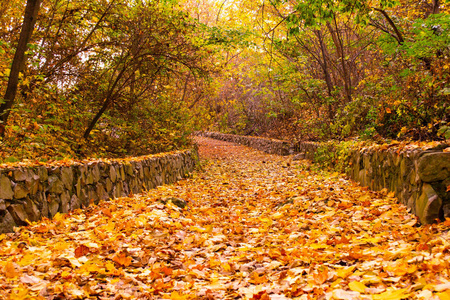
256, 226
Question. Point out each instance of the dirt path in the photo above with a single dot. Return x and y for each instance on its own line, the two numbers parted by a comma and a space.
256, 226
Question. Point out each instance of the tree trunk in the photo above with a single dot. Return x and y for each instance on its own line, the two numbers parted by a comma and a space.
325, 63
436, 8
29, 21
338, 43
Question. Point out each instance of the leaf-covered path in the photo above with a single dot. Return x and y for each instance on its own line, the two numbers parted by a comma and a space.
256, 226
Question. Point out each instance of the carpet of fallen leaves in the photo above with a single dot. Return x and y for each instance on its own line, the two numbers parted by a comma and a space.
256, 226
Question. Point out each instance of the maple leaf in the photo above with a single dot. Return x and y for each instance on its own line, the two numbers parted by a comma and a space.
10, 270
122, 259
81, 251
321, 276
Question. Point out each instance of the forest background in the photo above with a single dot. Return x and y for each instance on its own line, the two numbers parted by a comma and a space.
115, 78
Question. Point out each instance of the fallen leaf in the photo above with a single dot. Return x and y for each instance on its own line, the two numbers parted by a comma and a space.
392, 295
122, 259
10, 270
357, 286
81, 251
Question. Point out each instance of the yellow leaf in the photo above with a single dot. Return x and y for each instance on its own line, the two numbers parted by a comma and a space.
444, 295
177, 296
19, 293
26, 260
209, 229
277, 215
357, 286
392, 295
226, 267
58, 217
216, 285
345, 272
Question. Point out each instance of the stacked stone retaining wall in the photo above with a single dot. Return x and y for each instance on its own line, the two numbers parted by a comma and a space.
419, 178
29, 193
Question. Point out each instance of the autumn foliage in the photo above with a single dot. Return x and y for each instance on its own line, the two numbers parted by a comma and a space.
339, 69
256, 226
102, 78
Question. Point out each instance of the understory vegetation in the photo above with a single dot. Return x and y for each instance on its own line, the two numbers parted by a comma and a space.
101, 78
323, 70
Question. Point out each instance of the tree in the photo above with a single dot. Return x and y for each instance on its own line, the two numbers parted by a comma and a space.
30, 16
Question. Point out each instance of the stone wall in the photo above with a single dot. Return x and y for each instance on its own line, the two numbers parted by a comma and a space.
419, 178
29, 193
305, 150
267, 145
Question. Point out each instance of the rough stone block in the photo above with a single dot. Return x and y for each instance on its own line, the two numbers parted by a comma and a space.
122, 173
20, 175
20, 191
65, 202
33, 186
89, 177
109, 185
101, 193
6, 191
32, 210
18, 213
434, 166
43, 173
112, 173
75, 203
95, 173
53, 206
7, 223
82, 169
428, 205
129, 169
67, 177
55, 185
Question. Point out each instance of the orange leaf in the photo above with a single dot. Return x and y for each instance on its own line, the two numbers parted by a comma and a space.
122, 259
107, 212
81, 251
261, 296
167, 271
256, 279
10, 270
321, 277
